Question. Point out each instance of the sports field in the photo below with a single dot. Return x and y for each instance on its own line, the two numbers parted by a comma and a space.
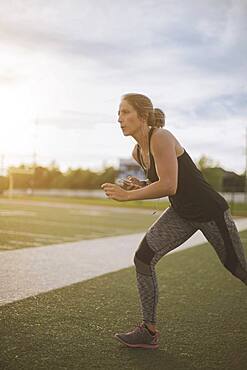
202, 307
30, 222
202, 320
25, 223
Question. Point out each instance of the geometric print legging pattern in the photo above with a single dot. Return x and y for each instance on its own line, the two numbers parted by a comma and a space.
168, 232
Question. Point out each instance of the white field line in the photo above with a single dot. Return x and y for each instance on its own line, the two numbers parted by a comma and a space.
42, 236
89, 212
7, 213
18, 242
57, 223
77, 206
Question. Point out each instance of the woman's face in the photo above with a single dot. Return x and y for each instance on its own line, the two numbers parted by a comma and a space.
128, 118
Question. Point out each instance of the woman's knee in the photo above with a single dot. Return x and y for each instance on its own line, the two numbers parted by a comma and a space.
143, 258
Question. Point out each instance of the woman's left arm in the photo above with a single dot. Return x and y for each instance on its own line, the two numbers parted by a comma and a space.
164, 153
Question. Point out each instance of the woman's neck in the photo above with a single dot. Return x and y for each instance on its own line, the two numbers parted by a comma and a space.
141, 138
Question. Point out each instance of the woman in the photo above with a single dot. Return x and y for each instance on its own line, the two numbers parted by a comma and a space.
194, 206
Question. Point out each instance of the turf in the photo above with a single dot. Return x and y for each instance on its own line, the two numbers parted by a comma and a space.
35, 224
238, 209
202, 320
160, 203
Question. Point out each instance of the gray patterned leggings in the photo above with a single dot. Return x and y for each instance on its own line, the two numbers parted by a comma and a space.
167, 233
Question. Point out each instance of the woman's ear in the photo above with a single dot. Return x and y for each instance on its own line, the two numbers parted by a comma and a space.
144, 119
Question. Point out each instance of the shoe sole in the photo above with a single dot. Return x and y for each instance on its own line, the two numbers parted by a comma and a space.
148, 346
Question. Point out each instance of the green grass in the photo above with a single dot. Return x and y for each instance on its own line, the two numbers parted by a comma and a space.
30, 222
36, 224
149, 204
201, 317
239, 209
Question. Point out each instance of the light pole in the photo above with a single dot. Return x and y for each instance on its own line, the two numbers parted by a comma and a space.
35, 137
245, 193
2, 165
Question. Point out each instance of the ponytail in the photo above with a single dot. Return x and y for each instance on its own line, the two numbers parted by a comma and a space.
156, 118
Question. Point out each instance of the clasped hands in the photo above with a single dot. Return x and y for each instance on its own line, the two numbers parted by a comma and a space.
120, 191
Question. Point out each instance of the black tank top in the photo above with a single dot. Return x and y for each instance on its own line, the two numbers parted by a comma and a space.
195, 199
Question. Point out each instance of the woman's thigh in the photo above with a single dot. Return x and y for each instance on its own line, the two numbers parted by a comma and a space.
168, 232
225, 240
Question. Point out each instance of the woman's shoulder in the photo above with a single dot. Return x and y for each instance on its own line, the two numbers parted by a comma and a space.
164, 136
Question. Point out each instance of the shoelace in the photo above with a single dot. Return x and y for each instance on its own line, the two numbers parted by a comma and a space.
140, 327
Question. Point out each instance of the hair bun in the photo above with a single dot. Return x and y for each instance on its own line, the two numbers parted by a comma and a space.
159, 118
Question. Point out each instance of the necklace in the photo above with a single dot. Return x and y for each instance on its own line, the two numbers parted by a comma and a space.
146, 167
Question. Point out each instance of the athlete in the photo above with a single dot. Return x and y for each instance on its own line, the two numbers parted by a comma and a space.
195, 205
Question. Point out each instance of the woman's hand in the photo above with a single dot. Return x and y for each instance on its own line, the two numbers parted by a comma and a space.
132, 183
115, 192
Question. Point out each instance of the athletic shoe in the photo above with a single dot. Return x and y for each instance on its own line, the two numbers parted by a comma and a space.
139, 338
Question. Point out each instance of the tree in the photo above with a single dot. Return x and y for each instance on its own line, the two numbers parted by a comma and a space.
206, 162
211, 171
233, 183
3, 183
109, 174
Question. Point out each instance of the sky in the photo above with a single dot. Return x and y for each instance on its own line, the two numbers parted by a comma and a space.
64, 66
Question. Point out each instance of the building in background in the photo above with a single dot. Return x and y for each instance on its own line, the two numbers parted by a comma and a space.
128, 167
